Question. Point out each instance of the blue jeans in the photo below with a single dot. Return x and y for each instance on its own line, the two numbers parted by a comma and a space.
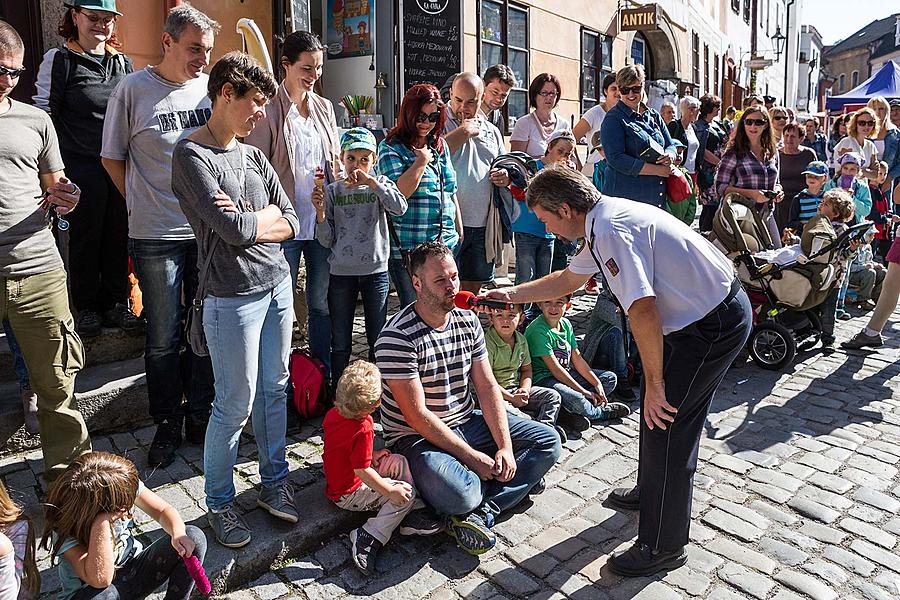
317, 274
534, 255
342, 293
166, 270
249, 340
451, 488
611, 353
574, 401
406, 293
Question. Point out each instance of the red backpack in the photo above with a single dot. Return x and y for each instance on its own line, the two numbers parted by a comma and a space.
308, 377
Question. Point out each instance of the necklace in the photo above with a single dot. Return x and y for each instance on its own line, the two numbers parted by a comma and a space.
213, 136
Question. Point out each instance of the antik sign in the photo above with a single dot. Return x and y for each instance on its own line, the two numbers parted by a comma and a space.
638, 19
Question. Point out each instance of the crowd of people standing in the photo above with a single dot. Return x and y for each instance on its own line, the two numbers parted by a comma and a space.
213, 186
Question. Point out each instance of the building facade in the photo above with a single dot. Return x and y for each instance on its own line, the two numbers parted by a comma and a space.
810, 63
853, 60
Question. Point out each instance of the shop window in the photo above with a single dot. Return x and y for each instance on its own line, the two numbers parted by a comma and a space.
638, 51
504, 40
695, 58
596, 63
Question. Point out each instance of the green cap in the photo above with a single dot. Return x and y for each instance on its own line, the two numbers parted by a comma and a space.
104, 5
356, 138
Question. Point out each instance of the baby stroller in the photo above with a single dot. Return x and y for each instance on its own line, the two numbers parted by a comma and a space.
781, 293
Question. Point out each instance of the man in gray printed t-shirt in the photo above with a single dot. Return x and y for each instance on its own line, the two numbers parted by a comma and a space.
148, 113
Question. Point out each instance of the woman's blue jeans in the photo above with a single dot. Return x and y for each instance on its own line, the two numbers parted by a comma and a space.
574, 401
342, 293
317, 275
249, 340
534, 255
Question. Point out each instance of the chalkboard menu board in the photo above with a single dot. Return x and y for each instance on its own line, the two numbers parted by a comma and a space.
431, 41
301, 15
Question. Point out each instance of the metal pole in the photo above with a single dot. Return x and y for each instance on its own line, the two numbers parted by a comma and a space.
787, 41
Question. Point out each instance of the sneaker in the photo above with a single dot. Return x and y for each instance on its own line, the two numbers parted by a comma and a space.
613, 410
625, 393
279, 502
165, 442
563, 438
539, 488
229, 527
865, 305
121, 316
573, 421
843, 315
471, 534
29, 409
364, 550
195, 430
422, 521
861, 340
88, 324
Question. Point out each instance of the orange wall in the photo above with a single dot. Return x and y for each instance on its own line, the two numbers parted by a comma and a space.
141, 26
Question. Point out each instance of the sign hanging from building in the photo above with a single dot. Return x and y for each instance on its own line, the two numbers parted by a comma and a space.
757, 64
645, 18
430, 42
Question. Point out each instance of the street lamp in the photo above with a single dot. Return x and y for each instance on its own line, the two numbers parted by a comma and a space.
778, 40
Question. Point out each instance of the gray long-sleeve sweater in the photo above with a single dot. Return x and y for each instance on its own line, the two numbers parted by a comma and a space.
356, 227
240, 265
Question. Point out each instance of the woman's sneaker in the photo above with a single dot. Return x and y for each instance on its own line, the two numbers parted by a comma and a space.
364, 550
229, 527
472, 534
613, 410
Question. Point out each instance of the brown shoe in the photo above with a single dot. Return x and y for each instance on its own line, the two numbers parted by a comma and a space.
861, 340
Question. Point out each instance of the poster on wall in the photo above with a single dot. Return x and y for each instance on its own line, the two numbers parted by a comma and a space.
349, 31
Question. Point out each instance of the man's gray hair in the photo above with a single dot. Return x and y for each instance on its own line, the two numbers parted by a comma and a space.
688, 102
183, 16
557, 185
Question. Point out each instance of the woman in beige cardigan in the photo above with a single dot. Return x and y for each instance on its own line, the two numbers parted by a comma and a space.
299, 136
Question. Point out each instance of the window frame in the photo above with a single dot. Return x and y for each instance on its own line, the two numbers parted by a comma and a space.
706, 86
716, 73
736, 6
747, 9
505, 47
695, 58
842, 79
599, 67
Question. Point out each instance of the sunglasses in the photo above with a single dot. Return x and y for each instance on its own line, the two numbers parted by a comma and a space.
635, 89
433, 117
866, 123
779, 118
11, 72
755, 122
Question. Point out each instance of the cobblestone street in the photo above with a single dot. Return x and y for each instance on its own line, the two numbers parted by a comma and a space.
796, 495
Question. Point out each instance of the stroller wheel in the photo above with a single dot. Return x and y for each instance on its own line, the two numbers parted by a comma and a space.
772, 346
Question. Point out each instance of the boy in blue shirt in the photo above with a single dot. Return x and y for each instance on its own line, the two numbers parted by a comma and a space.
805, 204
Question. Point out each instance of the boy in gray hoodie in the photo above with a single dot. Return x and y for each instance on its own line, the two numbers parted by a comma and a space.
351, 219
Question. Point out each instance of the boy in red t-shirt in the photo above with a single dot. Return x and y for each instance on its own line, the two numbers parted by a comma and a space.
358, 479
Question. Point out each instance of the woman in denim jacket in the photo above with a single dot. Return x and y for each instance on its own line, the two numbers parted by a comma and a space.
887, 142
626, 134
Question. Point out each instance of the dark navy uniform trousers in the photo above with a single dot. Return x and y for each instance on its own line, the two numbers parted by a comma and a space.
694, 363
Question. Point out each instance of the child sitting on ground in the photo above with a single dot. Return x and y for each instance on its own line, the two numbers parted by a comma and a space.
805, 204
866, 275
19, 577
88, 529
359, 479
351, 220
559, 365
511, 363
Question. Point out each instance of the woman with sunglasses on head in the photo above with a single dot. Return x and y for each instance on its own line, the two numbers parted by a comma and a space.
863, 125
639, 150
74, 84
749, 167
533, 131
415, 157
299, 136
887, 142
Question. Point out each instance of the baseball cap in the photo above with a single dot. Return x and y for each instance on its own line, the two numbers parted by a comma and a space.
816, 167
358, 138
895, 102
104, 5
561, 134
851, 157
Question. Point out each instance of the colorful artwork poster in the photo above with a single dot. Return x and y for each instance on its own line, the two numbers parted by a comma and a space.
349, 31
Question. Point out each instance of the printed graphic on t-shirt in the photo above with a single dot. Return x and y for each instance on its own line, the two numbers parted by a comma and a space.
563, 352
183, 119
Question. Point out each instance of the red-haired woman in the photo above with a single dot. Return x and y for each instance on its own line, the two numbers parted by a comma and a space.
74, 83
415, 157
533, 131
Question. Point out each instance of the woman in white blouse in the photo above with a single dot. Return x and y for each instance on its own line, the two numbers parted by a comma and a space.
533, 131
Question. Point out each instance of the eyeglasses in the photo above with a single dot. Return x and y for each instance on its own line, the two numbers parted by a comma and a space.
14, 73
865, 123
779, 118
547, 94
755, 122
94, 18
433, 117
635, 89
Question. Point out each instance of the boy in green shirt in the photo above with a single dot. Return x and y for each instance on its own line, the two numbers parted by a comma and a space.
511, 363
559, 365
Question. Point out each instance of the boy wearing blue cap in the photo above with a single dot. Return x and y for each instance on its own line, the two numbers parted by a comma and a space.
805, 204
351, 219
